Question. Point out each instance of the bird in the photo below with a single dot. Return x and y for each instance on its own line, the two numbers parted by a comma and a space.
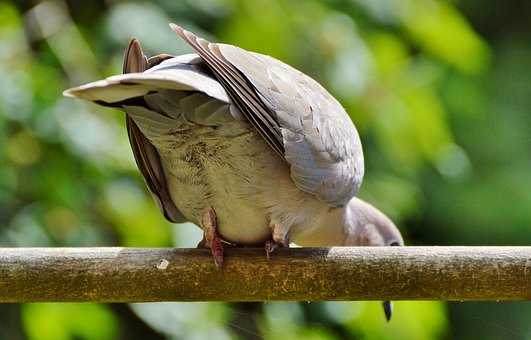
253, 151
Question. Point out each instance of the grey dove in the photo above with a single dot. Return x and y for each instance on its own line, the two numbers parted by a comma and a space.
246, 147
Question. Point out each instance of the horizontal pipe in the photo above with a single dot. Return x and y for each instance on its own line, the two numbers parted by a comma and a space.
304, 274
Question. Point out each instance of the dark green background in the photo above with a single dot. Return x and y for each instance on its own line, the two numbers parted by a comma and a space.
439, 90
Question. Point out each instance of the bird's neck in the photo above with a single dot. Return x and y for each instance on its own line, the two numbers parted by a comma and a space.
326, 228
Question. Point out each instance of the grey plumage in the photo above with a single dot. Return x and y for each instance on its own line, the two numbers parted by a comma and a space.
146, 155
245, 146
300, 120
262, 144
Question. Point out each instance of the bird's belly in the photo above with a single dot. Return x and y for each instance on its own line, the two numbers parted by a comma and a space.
227, 170
241, 222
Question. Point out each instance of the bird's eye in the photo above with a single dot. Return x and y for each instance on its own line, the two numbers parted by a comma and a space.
394, 244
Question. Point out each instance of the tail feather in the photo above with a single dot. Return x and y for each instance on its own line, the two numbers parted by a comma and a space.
169, 74
106, 91
134, 58
153, 93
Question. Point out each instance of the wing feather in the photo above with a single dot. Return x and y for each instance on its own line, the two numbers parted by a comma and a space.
146, 155
296, 116
238, 88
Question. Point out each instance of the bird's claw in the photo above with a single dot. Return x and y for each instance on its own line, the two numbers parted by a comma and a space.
216, 247
270, 247
279, 238
211, 237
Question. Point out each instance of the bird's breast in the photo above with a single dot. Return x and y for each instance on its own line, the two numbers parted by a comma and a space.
229, 168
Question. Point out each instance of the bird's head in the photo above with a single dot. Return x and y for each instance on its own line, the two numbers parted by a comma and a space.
368, 226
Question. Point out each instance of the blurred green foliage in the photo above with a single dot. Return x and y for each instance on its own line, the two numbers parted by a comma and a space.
441, 94
68, 321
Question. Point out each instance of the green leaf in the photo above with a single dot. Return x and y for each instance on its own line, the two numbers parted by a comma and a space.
68, 321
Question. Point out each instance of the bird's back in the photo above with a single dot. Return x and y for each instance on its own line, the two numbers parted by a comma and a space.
193, 124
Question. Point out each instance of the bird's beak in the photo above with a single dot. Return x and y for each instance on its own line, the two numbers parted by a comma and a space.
388, 309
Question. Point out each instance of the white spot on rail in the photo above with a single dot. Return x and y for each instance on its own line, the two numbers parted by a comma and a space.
163, 264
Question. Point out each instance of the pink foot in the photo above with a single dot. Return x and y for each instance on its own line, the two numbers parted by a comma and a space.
279, 238
270, 247
211, 237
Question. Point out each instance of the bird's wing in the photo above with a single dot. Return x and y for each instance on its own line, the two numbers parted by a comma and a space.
297, 117
146, 156
173, 92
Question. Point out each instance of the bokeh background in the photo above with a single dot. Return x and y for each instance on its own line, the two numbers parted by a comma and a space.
440, 92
